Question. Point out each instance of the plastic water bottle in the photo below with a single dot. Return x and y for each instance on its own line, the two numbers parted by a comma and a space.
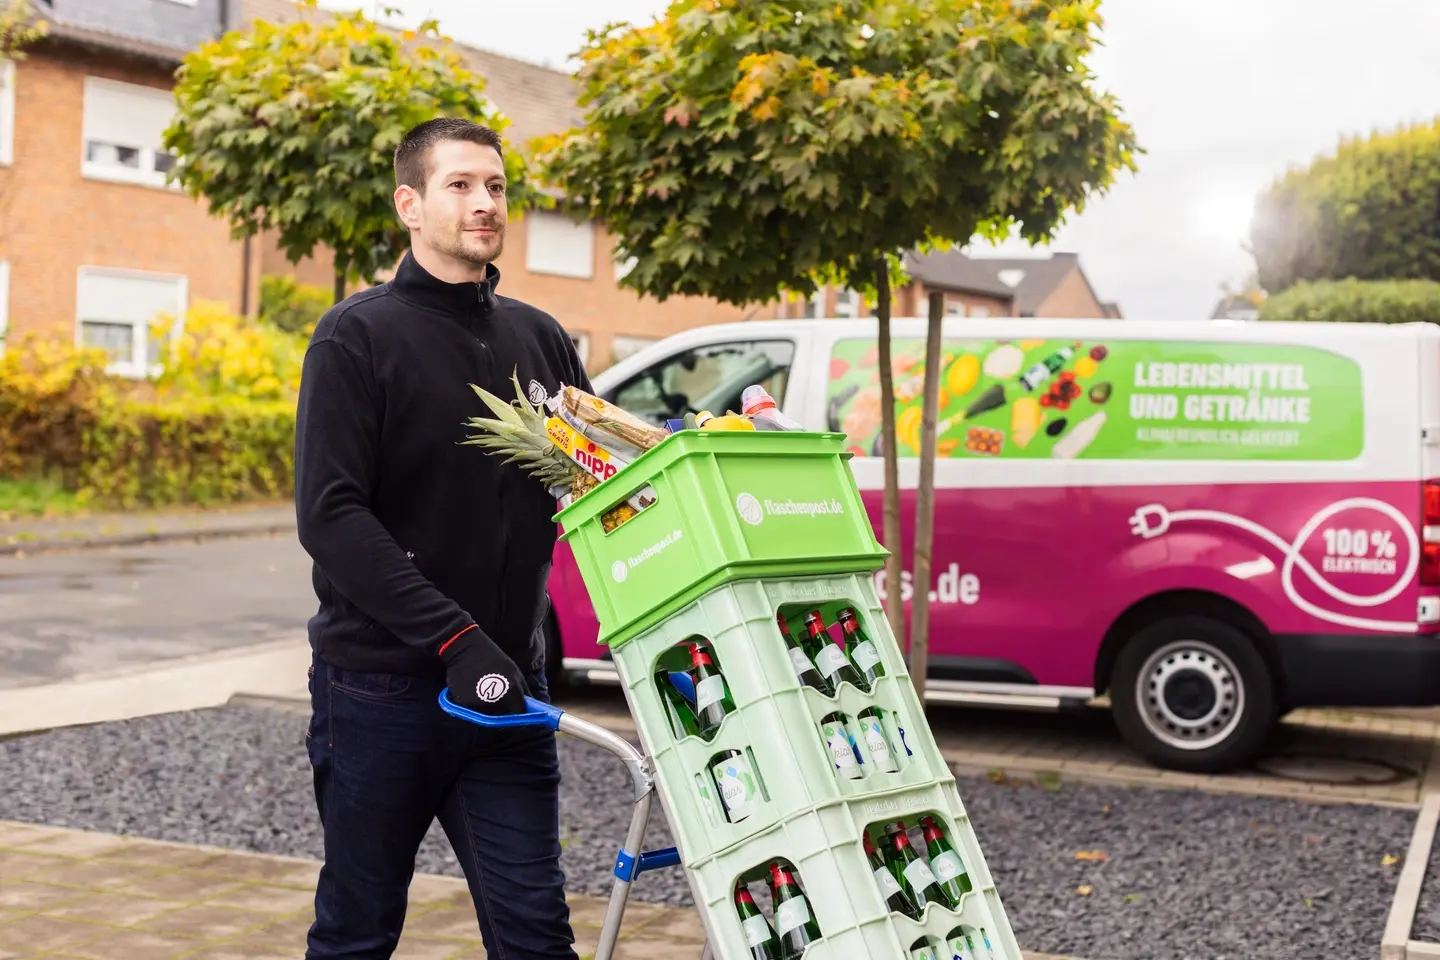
756, 403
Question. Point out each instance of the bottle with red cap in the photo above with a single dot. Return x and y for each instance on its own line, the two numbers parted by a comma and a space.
830, 659
793, 921
895, 898
800, 659
945, 863
757, 404
712, 696
912, 871
862, 649
759, 935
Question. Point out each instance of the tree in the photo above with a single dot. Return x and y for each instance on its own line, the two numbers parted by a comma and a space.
1356, 301
293, 127
738, 148
1369, 211
19, 28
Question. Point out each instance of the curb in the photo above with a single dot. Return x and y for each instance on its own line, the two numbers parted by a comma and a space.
13, 547
1395, 942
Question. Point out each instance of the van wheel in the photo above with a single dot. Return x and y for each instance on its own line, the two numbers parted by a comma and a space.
1193, 693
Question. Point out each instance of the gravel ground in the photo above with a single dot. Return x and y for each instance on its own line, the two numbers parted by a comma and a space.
1167, 875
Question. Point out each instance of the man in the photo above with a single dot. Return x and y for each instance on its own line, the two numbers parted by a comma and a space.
430, 562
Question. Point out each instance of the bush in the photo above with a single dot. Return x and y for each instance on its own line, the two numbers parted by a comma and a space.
291, 306
217, 425
1357, 301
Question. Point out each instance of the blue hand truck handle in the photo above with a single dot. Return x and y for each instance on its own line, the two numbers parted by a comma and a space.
538, 714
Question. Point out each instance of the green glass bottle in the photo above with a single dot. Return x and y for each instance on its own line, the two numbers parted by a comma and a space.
895, 898
914, 873
801, 661
677, 710
841, 747
877, 744
759, 935
793, 921
863, 652
830, 659
712, 696
945, 863
959, 943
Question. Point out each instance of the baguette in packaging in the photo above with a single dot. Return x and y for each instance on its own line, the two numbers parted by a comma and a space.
606, 424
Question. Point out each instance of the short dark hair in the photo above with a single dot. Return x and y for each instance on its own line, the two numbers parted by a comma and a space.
412, 156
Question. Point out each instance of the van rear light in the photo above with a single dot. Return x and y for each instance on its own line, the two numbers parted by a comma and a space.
1430, 525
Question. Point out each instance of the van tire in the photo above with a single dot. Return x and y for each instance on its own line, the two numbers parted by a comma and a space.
1193, 693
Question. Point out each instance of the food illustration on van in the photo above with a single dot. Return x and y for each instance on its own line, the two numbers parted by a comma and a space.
1118, 400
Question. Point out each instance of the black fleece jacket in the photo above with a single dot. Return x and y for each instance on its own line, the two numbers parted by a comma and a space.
414, 535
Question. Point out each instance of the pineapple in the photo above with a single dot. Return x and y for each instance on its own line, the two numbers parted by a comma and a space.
518, 431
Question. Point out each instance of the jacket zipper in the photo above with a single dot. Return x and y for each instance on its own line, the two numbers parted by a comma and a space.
500, 491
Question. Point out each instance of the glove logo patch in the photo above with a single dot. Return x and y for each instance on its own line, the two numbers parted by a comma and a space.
492, 687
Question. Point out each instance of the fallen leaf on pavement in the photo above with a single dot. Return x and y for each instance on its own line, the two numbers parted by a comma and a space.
1097, 855
1084, 889
1389, 860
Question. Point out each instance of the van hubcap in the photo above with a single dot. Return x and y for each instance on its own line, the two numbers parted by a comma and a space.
1190, 695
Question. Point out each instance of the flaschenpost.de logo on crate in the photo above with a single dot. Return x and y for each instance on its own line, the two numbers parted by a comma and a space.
754, 511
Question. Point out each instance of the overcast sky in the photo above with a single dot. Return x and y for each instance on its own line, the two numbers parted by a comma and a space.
1223, 94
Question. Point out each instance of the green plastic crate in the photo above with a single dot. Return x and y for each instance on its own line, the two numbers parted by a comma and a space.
727, 505
805, 813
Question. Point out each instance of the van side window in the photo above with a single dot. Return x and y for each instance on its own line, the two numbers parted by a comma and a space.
707, 378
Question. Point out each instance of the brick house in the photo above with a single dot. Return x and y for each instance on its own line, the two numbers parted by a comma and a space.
1053, 286
91, 238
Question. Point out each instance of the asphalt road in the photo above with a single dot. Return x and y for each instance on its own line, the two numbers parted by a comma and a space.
98, 611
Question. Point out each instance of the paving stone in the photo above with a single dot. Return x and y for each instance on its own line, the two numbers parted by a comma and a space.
76, 843
14, 834
265, 898
41, 934
590, 912
184, 885
207, 921
164, 855
91, 874
24, 895
240, 952
19, 865
454, 923
114, 909
420, 948
260, 869
682, 926
135, 945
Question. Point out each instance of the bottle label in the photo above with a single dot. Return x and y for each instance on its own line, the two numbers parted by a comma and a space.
923, 953
878, 746
917, 872
709, 692
791, 915
947, 866
842, 754
829, 659
865, 655
800, 661
960, 949
885, 880
738, 790
757, 931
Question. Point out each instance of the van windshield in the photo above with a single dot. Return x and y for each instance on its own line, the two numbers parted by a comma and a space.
706, 378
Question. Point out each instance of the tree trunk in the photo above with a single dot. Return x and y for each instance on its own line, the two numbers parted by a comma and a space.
339, 281
925, 501
890, 528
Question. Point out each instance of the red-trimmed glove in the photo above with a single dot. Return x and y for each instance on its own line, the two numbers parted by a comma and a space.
480, 676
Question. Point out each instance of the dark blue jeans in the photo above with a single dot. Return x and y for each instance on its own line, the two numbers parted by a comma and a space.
387, 762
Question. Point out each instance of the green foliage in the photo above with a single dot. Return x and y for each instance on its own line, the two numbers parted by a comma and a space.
19, 27
742, 147
294, 128
217, 425
1370, 211
291, 306
34, 497
1356, 301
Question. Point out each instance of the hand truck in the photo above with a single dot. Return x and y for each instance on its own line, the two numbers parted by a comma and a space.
628, 863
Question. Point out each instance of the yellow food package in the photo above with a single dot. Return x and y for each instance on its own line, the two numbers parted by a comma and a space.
601, 463
1024, 420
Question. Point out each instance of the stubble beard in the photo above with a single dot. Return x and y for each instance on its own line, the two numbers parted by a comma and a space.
478, 252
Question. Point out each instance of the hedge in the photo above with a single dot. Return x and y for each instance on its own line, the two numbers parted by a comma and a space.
1358, 301
217, 426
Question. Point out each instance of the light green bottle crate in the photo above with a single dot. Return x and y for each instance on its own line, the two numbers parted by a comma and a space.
727, 505
805, 814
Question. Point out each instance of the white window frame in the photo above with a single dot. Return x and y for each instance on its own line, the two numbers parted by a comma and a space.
581, 340
146, 175
137, 366
7, 112
542, 251
624, 345
848, 303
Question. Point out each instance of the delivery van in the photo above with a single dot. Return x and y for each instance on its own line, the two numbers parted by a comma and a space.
1212, 523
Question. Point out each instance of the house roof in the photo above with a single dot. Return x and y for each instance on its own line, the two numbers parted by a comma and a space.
537, 100
1028, 281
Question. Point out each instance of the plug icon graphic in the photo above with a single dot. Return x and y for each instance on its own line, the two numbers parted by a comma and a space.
1150, 521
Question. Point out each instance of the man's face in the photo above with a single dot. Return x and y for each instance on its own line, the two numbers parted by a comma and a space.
462, 212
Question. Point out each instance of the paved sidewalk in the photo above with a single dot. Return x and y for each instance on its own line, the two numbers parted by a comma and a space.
124, 529
77, 895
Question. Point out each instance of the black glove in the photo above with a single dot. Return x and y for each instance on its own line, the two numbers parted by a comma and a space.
480, 676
